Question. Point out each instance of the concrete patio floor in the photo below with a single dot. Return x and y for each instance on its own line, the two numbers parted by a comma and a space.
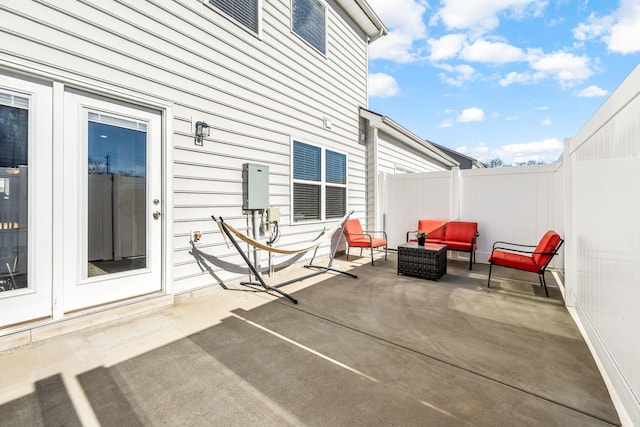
379, 350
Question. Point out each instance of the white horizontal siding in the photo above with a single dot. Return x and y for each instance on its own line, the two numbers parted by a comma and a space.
394, 155
256, 92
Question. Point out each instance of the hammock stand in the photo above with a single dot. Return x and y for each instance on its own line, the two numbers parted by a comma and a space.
320, 268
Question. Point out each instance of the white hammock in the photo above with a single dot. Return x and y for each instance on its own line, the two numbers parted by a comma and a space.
228, 231
324, 235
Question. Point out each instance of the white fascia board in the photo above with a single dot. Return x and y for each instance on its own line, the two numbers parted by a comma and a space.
386, 125
365, 17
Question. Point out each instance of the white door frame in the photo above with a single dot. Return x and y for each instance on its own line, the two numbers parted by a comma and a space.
35, 301
81, 291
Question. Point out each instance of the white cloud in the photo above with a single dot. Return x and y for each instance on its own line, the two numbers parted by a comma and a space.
492, 52
396, 46
404, 19
472, 114
446, 47
461, 74
625, 33
547, 150
620, 30
479, 152
546, 122
565, 67
382, 85
594, 27
592, 91
525, 78
480, 16
445, 123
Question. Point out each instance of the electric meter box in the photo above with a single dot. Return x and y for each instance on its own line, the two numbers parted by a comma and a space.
255, 187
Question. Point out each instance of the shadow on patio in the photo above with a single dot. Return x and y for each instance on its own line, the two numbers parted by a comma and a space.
380, 350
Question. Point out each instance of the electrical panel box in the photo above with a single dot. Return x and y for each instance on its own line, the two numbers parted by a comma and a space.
255, 187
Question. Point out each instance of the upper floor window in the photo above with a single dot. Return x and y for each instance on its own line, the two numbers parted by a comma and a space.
319, 183
245, 12
309, 22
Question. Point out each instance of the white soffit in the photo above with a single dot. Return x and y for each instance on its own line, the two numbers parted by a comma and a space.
365, 17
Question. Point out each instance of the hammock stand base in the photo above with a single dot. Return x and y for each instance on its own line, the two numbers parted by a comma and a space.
321, 268
261, 282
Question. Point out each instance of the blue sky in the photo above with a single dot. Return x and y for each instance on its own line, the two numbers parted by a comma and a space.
507, 79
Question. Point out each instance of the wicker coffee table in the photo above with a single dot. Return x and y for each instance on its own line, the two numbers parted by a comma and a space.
428, 262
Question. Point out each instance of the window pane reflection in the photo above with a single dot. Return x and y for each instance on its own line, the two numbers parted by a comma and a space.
117, 163
14, 139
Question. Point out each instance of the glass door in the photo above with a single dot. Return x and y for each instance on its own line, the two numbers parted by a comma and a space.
25, 200
113, 213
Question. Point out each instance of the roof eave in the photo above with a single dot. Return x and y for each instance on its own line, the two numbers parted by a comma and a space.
365, 17
407, 137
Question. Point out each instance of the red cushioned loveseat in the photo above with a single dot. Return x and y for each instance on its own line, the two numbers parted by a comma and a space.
457, 235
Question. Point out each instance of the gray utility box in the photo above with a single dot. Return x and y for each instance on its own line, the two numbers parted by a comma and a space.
255, 187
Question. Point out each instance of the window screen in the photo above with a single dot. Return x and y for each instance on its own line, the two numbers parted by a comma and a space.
336, 168
319, 183
336, 202
309, 22
243, 11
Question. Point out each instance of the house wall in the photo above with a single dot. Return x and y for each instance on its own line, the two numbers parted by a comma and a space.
193, 63
603, 208
395, 157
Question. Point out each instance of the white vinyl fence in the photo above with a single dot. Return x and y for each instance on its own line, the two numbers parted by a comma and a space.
516, 204
603, 236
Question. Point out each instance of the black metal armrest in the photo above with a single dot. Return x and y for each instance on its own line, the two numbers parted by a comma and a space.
511, 244
505, 249
384, 233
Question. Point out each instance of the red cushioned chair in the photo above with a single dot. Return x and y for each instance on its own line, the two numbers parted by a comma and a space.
462, 236
513, 255
356, 237
434, 228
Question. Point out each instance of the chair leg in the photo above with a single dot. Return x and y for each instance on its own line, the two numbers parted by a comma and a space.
470, 259
347, 252
385, 252
489, 282
371, 255
543, 282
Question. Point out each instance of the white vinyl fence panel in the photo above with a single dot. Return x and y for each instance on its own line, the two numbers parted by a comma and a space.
604, 239
510, 204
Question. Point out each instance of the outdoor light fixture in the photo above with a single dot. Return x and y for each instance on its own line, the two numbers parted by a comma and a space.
202, 131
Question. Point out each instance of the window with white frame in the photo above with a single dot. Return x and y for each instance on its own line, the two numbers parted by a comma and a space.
308, 20
246, 12
319, 183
